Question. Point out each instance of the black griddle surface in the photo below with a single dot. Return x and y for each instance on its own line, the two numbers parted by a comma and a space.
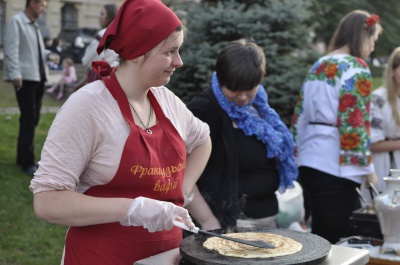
315, 250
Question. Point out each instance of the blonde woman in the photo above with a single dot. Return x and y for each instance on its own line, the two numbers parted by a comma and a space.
385, 125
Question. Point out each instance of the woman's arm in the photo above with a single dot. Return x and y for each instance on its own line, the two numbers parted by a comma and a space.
200, 211
75, 209
385, 146
196, 161
198, 208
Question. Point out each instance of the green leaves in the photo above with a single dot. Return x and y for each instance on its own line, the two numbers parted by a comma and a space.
277, 26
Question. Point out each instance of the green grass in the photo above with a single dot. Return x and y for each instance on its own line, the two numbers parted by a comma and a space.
23, 238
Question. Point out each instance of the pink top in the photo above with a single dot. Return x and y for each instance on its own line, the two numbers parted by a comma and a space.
69, 74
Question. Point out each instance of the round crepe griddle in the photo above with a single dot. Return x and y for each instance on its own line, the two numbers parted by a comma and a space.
315, 250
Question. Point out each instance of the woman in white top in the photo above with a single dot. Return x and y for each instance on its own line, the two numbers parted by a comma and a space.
385, 125
107, 14
331, 124
124, 152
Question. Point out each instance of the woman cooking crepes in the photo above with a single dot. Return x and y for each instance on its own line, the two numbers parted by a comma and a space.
123, 153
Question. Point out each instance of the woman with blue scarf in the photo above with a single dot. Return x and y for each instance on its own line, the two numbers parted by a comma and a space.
252, 153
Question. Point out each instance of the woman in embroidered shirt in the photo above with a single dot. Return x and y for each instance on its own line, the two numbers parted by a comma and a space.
252, 154
385, 125
124, 152
331, 126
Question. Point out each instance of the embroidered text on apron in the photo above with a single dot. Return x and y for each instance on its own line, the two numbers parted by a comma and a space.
152, 165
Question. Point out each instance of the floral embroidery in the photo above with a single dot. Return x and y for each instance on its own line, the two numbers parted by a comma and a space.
354, 105
331, 71
364, 86
328, 70
378, 101
367, 125
354, 135
347, 101
356, 118
377, 123
349, 141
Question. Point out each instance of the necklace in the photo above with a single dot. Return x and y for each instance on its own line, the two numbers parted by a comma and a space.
148, 122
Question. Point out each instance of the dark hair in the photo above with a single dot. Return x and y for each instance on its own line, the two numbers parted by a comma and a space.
29, 1
111, 10
56, 42
352, 31
241, 65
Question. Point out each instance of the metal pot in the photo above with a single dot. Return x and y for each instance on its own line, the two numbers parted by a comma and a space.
387, 207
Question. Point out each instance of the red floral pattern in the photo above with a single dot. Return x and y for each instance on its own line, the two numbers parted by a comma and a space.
347, 101
356, 118
321, 68
354, 105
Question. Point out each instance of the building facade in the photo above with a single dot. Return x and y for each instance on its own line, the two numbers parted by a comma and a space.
62, 16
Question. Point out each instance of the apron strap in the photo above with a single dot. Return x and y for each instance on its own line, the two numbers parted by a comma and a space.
107, 74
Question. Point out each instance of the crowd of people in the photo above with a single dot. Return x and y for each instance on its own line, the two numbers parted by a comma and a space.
125, 157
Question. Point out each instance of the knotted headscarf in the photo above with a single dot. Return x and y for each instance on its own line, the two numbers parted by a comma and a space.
139, 26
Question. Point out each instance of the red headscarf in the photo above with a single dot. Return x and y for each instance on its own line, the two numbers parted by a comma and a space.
139, 26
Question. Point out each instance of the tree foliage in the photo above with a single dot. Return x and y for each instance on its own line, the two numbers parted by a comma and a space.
285, 29
328, 14
277, 26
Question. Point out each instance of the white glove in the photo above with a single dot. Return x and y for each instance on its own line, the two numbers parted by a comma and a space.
155, 215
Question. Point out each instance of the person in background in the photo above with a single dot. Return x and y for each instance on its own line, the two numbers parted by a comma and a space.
124, 152
47, 42
252, 154
385, 125
25, 67
331, 126
56, 48
68, 77
107, 14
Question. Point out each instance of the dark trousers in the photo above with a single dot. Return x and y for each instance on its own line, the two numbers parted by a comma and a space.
29, 98
330, 200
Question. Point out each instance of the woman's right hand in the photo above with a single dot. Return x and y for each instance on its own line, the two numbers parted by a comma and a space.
155, 215
371, 178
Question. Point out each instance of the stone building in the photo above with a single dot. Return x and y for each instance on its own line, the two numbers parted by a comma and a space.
62, 16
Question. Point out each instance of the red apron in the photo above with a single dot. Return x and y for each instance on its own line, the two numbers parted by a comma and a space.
152, 165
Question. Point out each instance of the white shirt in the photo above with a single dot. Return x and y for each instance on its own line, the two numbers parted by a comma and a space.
85, 142
318, 146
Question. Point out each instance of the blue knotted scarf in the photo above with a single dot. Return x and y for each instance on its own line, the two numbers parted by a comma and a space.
269, 129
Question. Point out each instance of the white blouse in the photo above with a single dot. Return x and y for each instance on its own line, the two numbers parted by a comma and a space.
85, 142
